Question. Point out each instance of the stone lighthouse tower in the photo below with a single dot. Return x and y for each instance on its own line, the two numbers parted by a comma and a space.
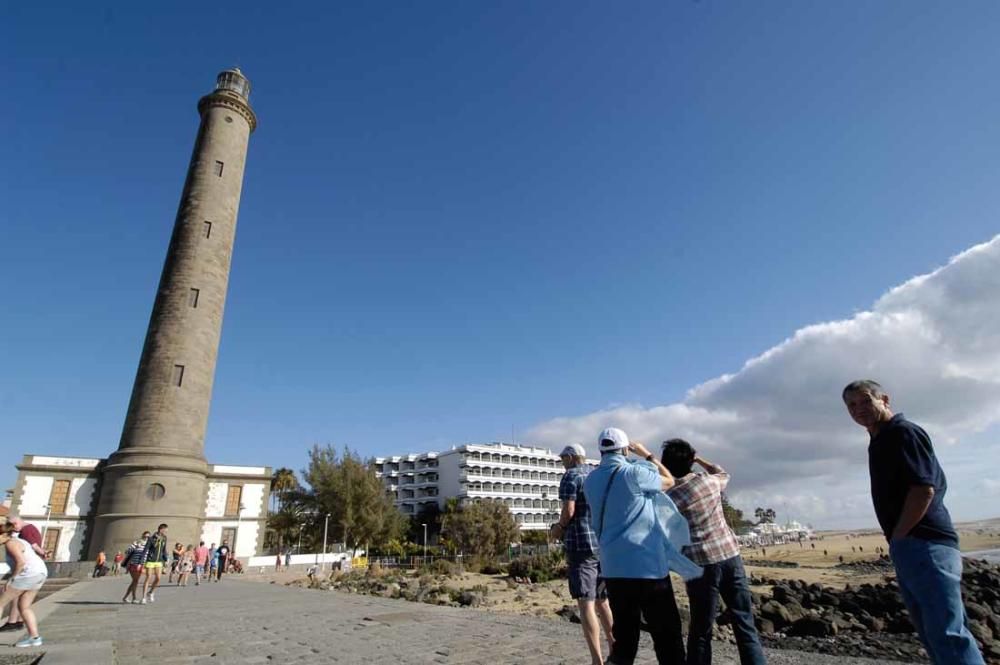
158, 474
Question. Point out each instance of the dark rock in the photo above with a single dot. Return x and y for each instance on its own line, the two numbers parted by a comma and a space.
812, 626
782, 594
795, 611
469, 599
569, 612
977, 611
765, 626
776, 612
981, 632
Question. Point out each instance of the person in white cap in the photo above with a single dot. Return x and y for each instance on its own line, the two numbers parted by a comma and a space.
580, 544
636, 555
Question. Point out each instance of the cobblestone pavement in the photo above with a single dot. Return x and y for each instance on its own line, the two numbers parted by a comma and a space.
242, 623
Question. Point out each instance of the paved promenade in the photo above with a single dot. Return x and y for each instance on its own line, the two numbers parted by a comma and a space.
240, 622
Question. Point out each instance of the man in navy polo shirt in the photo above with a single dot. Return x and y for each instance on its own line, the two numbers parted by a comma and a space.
908, 488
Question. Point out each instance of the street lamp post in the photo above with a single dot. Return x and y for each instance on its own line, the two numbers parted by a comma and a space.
424, 524
326, 524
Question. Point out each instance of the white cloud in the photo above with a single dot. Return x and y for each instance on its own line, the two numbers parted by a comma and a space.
778, 423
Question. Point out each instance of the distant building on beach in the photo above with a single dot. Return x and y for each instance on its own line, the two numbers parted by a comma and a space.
771, 533
524, 478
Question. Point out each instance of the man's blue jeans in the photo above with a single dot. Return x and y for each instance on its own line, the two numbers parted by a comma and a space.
930, 576
727, 579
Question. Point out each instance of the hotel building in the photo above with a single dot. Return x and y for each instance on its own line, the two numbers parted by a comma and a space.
524, 478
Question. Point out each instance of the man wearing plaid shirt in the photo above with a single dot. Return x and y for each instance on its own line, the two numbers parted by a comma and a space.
714, 547
580, 541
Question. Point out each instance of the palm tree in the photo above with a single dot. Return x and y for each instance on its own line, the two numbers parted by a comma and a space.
283, 481
284, 524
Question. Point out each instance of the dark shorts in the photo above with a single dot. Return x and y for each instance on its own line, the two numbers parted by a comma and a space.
585, 581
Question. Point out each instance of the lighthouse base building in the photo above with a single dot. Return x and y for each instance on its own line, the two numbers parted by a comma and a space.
60, 496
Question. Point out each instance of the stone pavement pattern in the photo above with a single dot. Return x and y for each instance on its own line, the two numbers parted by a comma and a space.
243, 623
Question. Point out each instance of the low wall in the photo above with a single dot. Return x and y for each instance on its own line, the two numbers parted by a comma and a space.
84, 569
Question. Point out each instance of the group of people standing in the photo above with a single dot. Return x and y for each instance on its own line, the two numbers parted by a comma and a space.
148, 556
628, 523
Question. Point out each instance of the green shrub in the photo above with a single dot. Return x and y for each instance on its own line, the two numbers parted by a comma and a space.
539, 567
484, 565
443, 567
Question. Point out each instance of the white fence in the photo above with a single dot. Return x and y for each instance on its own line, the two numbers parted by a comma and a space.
269, 560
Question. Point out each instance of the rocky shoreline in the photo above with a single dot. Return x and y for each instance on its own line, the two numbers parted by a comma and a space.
869, 619
863, 620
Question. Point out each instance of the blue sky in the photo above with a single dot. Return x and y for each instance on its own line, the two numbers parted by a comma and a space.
463, 217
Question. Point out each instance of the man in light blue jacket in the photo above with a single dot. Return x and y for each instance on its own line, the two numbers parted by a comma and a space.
640, 534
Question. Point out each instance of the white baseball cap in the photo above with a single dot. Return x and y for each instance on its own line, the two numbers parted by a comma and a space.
612, 439
573, 450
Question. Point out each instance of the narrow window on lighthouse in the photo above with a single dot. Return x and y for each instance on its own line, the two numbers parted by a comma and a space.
178, 377
218, 168
193, 297
208, 229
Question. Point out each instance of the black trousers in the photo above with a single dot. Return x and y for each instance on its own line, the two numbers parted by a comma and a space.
634, 599
223, 560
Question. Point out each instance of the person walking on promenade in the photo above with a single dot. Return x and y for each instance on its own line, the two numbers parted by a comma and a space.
135, 565
185, 566
175, 561
223, 559
31, 535
102, 559
580, 545
713, 547
213, 562
27, 575
200, 562
908, 488
155, 556
637, 524
277, 562
116, 563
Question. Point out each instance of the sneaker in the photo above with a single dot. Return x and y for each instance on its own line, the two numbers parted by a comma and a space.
29, 641
143, 601
12, 626
135, 601
152, 597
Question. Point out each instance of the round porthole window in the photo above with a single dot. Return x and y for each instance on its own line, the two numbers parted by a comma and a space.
156, 491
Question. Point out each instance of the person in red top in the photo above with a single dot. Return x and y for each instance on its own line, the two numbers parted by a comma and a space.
200, 562
116, 563
30, 534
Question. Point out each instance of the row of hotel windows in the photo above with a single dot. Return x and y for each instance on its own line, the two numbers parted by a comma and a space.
177, 377
410, 480
507, 488
538, 518
409, 465
513, 473
523, 460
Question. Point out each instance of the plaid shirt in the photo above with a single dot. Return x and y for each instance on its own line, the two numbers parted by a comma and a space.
699, 498
578, 537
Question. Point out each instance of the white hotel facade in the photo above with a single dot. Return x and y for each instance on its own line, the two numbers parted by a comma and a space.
524, 478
